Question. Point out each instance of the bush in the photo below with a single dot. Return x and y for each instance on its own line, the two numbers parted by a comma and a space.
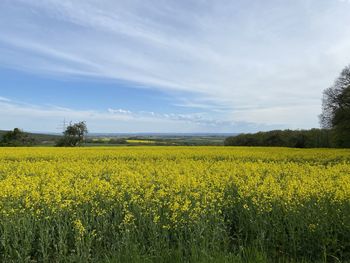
16, 138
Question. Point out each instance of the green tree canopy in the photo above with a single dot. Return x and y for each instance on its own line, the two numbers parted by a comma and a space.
336, 108
314, 138
74, 135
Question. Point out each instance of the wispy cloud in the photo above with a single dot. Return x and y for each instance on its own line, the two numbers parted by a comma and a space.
25, 116
119, 111
266, 61
4, 99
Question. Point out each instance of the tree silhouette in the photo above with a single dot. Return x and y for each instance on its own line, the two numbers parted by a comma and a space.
336, 109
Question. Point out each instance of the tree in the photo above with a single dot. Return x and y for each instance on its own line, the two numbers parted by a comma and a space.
336, 109
74, 135
16, 138
313, 138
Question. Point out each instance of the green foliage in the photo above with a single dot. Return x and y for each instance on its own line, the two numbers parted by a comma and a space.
314, 138
74, 135
16, 138
336, 109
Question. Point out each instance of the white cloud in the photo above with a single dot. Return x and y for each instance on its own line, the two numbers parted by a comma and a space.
267, 62
119, 111
49, 118
297, 117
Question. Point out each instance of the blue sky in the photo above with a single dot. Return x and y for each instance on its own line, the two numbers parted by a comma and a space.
169, 66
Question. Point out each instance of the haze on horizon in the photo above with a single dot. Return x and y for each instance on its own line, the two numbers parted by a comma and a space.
169, 66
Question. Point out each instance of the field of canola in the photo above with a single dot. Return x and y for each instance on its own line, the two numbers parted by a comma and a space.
174, 204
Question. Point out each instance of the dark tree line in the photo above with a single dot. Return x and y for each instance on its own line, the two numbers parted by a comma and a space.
314, 138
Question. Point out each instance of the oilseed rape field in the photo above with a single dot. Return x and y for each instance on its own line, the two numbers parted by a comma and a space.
174, 204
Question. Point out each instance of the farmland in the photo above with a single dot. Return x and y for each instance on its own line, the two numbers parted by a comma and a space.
174, 204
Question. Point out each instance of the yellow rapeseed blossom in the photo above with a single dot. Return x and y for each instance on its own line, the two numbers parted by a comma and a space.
173, 186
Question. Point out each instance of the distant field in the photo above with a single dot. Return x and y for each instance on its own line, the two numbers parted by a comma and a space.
174, 204
165, 139
141, 141
133, 139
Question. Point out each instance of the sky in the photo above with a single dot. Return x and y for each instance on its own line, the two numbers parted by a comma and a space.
208, 66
